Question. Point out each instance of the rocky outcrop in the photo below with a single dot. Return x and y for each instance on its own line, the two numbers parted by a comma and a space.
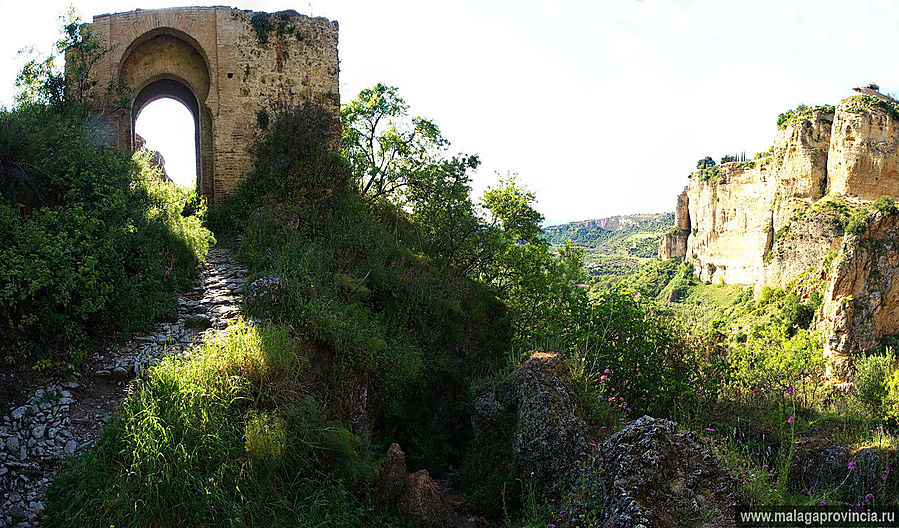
535, 415
265, 290
860, 475
420, 498
276, 216
391, 476
156, 158
423, 503
800, 162
650, 474
549, 433
863, 161
805, 241
673, 244
861, 302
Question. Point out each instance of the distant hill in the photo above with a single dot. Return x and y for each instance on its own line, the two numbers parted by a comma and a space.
614, 246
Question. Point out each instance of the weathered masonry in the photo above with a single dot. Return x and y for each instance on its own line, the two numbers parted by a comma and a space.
225, 65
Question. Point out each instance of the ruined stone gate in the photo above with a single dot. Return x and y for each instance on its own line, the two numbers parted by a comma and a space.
225, 65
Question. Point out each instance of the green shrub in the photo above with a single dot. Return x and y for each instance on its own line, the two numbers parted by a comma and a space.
679, 286
264, 436
795, 313
892, 398
787, 116
91, 242
858, 224
872, 374
709, 174
886, 205
652, 277
802, 112
262, 24
651, 362
414, 330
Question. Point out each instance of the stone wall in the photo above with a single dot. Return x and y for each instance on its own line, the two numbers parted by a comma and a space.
233, 63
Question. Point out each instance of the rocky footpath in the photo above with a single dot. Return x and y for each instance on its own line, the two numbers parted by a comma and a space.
62, 418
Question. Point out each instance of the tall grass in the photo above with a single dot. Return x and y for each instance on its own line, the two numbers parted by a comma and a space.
223, 437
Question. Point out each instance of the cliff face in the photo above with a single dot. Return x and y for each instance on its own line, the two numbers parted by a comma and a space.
767, 221
863, 161
674, 243
730, 221
861, 302
733, 211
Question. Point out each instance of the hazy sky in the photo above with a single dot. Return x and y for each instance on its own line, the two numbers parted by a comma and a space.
603, 106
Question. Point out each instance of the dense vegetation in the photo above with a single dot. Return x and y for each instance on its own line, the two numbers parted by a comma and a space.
803, 112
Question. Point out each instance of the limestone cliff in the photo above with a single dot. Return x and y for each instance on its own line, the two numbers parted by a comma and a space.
861, 302
769, 220
674, 243
863, 161
736, 209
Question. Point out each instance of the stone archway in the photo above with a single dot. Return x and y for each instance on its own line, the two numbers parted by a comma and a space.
225, 65
163, 63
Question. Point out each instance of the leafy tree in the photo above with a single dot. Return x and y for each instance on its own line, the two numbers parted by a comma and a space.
42, 81
727, 158
705, 163
443, 213
387, 149
402, 162
511, 207
39, 81
538, 287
